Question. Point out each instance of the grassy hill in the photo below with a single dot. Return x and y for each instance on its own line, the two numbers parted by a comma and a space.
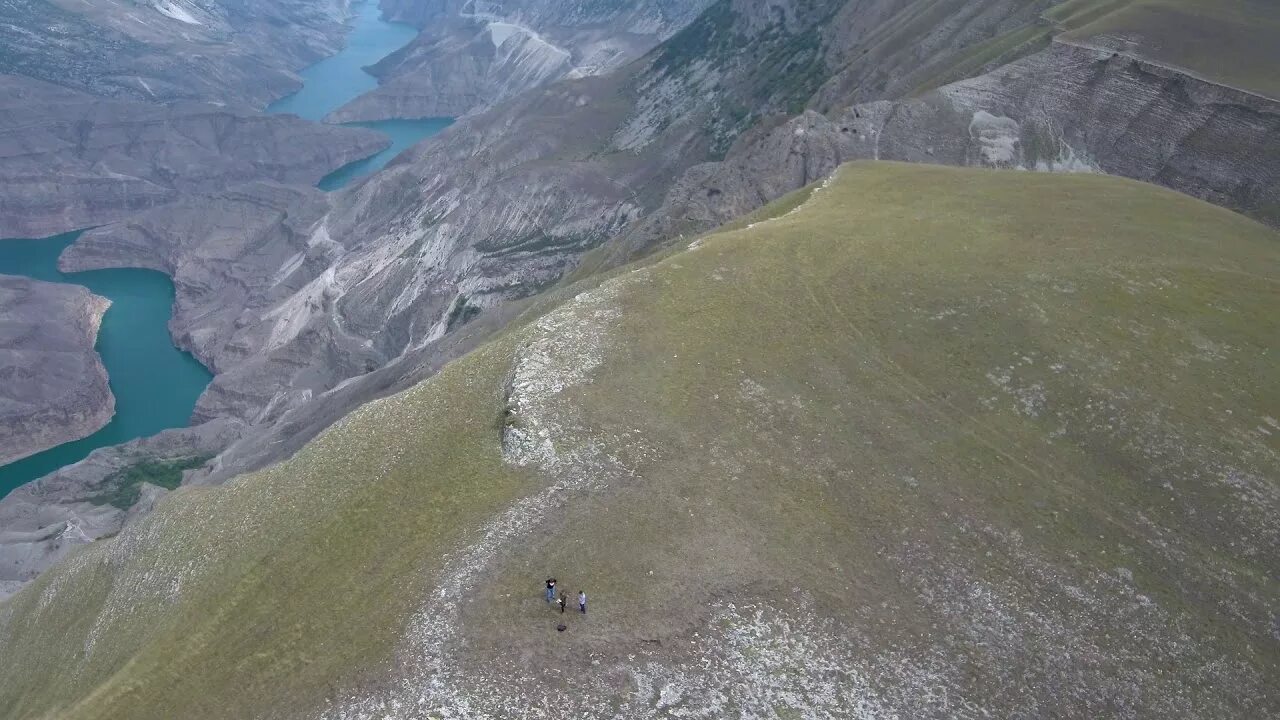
1236, 42
923, 442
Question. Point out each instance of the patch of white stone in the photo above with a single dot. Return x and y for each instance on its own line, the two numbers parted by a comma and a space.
760, 662
176, 11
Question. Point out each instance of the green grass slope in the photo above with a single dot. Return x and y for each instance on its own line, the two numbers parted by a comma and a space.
1235, 42
923, 442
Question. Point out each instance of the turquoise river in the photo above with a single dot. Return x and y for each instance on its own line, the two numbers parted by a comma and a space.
155, 384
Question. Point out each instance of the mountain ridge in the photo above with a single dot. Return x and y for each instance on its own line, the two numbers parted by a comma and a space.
899, 513
387, 281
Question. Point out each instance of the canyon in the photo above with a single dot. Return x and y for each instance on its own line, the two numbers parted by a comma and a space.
412, 359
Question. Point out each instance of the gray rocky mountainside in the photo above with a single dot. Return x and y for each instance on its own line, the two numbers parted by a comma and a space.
244, 51
70, 160
473, 54
53, 387
1064, 109
308, 305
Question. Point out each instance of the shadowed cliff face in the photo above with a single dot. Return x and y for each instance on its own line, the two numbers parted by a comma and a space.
165, 50
472, 55
68, 159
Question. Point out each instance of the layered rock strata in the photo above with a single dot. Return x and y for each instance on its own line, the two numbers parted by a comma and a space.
470, 56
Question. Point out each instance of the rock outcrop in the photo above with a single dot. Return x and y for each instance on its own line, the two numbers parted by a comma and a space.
472, 55
53, 387
69, 160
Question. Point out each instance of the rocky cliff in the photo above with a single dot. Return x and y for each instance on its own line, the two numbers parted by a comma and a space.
1064, 109
53, 387
472, 55
69, 160
1048, 93
507, 202
166, 50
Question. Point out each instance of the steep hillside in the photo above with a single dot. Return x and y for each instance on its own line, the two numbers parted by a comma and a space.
1232, 42
923, 442
495, 209
1047, 95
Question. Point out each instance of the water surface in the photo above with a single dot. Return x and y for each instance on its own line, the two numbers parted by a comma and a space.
403, 134
155, 383
334, 81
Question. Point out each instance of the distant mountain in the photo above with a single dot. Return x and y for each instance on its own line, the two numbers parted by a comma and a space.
69, 160
221, 50
471, 55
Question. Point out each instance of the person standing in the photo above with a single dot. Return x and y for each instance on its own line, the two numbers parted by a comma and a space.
582, 602
564, 600
551, 589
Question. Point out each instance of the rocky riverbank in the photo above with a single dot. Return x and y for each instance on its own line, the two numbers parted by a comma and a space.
54, 388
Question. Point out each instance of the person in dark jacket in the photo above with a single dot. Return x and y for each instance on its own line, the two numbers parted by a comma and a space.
551, 589
564, 600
